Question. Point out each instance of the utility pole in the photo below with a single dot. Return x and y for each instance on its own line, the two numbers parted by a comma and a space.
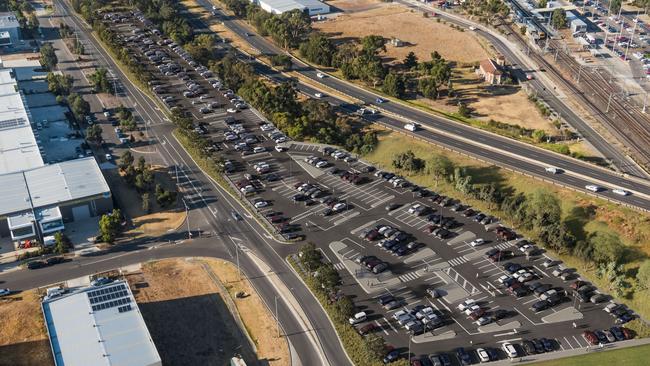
239, 268
645, 100
187, 215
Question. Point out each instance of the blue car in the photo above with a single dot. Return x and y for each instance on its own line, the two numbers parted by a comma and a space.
392, 356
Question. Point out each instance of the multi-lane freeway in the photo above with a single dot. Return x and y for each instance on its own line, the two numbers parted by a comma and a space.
483, 145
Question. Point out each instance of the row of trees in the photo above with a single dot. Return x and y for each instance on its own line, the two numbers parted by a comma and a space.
48, 57
100, 81
324, 280
141, 177
311, 120
68, 36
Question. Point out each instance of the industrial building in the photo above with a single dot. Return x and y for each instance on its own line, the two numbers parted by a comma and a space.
312, 7
98, 325
9, 29
37, 198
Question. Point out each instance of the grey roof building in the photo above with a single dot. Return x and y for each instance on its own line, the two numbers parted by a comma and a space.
9, 29
98, 325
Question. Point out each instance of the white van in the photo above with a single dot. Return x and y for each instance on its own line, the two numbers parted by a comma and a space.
411, 127
358, 318
553, 170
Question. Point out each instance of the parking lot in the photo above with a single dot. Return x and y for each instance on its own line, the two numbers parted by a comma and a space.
426, 270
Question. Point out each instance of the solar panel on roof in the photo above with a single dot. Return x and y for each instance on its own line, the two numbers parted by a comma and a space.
12, 123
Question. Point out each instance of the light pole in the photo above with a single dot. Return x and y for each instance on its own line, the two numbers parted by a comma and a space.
239, 269
187, 217
277, 321
410, 336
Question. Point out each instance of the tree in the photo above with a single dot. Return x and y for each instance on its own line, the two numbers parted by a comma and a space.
394, 85
408, 161
318, 49
615, 6
410, 61
48, 57
607, 247
374, 345
94, 134
522, 30
643, 276
78, 105
310, 257
61, 243
327, 276
282, 61
126, 160
440, 167
145, 202
59, 84
541, 3
344, 308
463, 110
142, 164
99, 80
539, 136
371, 45
109, 226
558, 19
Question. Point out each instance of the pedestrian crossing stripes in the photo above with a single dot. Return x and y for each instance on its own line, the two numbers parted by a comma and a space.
339, 266
457, 261
504, 245
409, 276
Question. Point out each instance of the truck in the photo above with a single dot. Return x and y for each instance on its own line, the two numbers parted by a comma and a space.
411, 126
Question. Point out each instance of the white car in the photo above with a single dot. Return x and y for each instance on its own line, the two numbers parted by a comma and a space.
318, 95
279, 148
266, 127
399, 313
466, 304
322, 164
261, 204
483, 355
593, 188
472, 309
108, 157
503, 279
259, 149
231, 110
320, 75
4, 292
509, 349
549, 263
483, 321
553, 170
339, 206
414, 208
477, 242
621, 192
358, 318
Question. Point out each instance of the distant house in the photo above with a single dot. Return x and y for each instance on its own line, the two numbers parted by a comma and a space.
492, 71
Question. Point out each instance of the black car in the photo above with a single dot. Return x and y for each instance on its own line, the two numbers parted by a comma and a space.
479, 217
36, 264
512, 267
492, 353
463, 356
392, 206
55, 260
500, 314
618, 333
444, 359
539, 347
528, 347
541, 305
548, 345
492, 252
385, 299
392, 356
602, 338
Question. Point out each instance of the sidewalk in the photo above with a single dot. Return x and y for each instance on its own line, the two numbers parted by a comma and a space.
574, 352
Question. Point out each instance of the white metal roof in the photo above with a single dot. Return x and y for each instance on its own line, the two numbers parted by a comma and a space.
18, 146
280, 6
99, 326
51, 185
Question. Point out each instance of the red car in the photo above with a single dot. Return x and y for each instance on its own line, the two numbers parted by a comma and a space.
590, 337
429, 229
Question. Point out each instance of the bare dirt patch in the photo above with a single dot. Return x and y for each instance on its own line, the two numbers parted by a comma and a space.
189, 320
419, 34
23, 337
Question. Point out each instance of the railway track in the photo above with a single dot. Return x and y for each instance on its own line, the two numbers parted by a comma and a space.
626, 123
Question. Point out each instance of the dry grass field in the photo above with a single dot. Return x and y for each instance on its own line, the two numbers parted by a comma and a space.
419, 34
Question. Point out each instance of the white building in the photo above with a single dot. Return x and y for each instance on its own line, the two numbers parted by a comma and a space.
97, 326
312, 7
9, 29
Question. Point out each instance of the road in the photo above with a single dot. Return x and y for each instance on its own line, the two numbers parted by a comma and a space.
212, 208
483, 145
617, 158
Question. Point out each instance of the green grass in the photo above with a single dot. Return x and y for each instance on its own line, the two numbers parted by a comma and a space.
585, 214
632, 356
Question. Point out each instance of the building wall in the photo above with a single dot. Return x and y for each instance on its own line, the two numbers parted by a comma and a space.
4, 228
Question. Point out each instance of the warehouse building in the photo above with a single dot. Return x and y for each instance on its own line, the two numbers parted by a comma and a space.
98, 325
37, 199
9, 29
312, 7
